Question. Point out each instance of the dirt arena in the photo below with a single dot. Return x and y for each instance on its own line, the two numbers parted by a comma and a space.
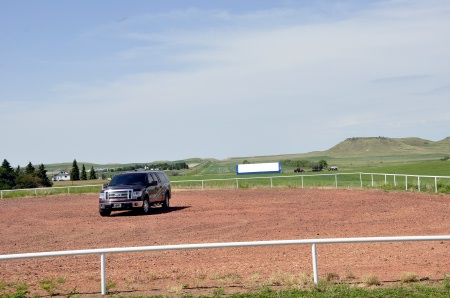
72, 222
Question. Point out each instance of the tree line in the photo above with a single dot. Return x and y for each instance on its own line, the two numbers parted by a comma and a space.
28, 177
161, 166
75, 174
303, 163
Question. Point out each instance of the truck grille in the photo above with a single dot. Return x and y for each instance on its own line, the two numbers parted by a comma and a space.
118, 194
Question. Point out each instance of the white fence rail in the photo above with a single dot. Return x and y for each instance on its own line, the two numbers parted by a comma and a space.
103, 251
359, 179
49, 190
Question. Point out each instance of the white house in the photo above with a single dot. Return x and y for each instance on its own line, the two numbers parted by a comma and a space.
61, 176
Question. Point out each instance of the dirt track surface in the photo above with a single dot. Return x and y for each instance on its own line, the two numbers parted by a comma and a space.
72, 222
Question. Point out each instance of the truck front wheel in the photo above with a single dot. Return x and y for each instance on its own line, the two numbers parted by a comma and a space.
104, 212
145, 206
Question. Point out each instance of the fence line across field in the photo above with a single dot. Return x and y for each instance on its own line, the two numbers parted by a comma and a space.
36, 191
270, 179
314, 242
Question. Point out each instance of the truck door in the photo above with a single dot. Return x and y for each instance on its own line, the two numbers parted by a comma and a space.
157, 190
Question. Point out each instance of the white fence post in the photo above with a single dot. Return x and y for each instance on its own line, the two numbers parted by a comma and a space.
103, 272
335, 178
418, 182
314, 263
360, 179
435, 184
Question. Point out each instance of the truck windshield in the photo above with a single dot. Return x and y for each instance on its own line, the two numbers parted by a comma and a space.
132, 179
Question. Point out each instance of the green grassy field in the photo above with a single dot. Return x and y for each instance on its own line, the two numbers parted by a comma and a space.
371, 288
216, 169
408, 156
372, 154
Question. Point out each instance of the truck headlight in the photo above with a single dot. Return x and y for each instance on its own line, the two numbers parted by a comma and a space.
136, 194
103, 196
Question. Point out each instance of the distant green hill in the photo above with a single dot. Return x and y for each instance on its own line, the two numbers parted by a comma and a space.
381, 146
352, 151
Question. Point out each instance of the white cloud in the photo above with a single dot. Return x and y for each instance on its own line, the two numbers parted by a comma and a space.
215, 75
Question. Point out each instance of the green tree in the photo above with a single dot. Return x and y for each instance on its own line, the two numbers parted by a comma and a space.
7, 166
7, 176
319, 166
92, 174
29, 169
26, 180
18, 170
75, 174
83, 173
323, 164
5, 179
42, 174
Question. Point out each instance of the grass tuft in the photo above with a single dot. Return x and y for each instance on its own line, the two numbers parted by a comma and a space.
407, 277
370, 280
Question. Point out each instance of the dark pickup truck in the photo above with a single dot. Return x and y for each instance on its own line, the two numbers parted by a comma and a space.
135, 191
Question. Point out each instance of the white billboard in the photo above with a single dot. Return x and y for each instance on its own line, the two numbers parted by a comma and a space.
258, 168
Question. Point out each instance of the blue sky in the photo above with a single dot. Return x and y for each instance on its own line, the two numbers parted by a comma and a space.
141, 81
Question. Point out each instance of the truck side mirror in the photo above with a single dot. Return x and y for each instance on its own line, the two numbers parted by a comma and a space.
153, 183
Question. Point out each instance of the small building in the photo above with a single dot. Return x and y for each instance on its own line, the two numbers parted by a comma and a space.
61, 176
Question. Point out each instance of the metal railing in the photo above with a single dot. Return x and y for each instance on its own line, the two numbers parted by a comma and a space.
351, 180
358, 179
50, 190
103, 251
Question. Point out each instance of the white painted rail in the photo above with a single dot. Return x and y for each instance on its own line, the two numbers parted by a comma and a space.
356, 179
314, 242
360, 179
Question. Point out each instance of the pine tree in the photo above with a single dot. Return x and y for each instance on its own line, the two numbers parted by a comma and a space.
42, 174
7, 176
92, 174
7, 166
75, 174
83, 173
29, 169
27, 178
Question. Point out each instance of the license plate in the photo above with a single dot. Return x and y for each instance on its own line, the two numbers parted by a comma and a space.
117, 205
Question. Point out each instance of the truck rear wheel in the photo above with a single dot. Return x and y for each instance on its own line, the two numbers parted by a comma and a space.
166, 203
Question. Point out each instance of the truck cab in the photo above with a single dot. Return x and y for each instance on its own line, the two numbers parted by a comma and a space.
135, 191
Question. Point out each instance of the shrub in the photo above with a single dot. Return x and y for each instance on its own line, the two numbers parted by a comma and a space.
408, 277
370, 280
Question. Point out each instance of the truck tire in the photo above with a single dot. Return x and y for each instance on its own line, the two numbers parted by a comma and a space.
145, 206
166, 203
104, 212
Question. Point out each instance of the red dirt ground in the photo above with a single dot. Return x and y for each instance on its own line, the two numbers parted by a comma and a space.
72, 222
